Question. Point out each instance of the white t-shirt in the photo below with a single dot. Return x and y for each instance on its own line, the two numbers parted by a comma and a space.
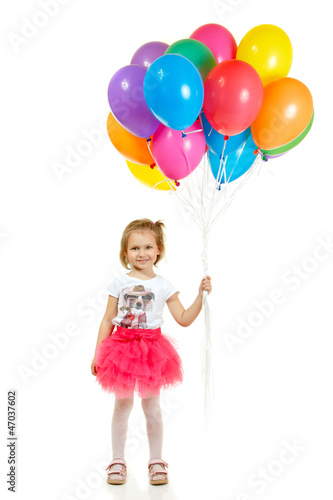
140, 302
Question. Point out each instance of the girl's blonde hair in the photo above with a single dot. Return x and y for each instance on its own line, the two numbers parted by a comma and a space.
142, 225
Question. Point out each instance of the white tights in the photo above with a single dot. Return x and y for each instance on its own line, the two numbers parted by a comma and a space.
152, 410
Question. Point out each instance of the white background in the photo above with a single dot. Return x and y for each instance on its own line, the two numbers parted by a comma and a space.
59, 242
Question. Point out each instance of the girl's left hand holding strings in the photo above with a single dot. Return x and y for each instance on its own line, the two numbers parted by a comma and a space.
205, 285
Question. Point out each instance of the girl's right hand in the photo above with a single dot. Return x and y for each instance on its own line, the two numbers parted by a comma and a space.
93, 367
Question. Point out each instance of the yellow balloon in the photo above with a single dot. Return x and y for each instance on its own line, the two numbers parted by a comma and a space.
268, 49
150, 177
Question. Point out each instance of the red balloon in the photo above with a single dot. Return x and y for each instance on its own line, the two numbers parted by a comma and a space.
233, 96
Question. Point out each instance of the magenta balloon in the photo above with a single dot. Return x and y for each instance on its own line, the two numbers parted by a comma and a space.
169, 150
218, 39
128, 103
148, 53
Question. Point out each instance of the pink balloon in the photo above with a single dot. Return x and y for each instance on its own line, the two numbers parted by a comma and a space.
175, 156
218, 39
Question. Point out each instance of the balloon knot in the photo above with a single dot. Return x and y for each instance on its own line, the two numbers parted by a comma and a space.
149, 139
152, 165
177, 183
183, 135
256, 151
226, 137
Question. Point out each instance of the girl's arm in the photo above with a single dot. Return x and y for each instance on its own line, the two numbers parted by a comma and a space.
185, 317
106, 326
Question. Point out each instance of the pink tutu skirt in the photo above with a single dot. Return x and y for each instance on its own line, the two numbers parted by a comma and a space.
137, 360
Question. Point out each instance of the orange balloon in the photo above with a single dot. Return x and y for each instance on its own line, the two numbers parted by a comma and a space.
285, 112
133, 148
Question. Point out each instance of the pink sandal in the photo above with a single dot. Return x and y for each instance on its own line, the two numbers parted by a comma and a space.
116, 476
155, 476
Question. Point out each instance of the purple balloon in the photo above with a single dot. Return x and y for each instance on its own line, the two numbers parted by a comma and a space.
275, 156
127, 101
148, 53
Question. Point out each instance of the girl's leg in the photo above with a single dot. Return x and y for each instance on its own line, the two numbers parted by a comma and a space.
122, 410
153, 414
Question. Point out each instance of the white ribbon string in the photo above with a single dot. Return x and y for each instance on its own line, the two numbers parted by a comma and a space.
209, 201
205, 199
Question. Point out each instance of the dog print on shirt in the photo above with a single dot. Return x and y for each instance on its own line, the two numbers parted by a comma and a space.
136, 301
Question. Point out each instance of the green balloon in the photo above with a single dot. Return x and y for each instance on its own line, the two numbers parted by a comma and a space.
197, 52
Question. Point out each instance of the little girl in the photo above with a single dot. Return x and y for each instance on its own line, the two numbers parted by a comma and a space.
131, 352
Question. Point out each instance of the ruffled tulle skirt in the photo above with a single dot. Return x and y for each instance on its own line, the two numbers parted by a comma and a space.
138, 360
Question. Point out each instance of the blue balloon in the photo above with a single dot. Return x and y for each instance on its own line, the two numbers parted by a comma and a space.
174, 91
215, 140
236, 163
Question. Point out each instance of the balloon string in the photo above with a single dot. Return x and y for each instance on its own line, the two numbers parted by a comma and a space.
188, 202
207, 165
166, 179
196, 194
260, 162
193, 131
218, 181
192, 178
227, 179
245, 178
211, 130
185, 152
189, 177
217, 184
200, 199
161, 182
220, 173
231, 198
188, 206
206, 346
202, 193
170, 183
196, 202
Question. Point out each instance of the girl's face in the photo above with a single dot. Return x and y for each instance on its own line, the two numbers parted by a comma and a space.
142, 250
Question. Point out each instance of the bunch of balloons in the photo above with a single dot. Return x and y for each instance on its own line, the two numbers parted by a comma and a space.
173, 103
